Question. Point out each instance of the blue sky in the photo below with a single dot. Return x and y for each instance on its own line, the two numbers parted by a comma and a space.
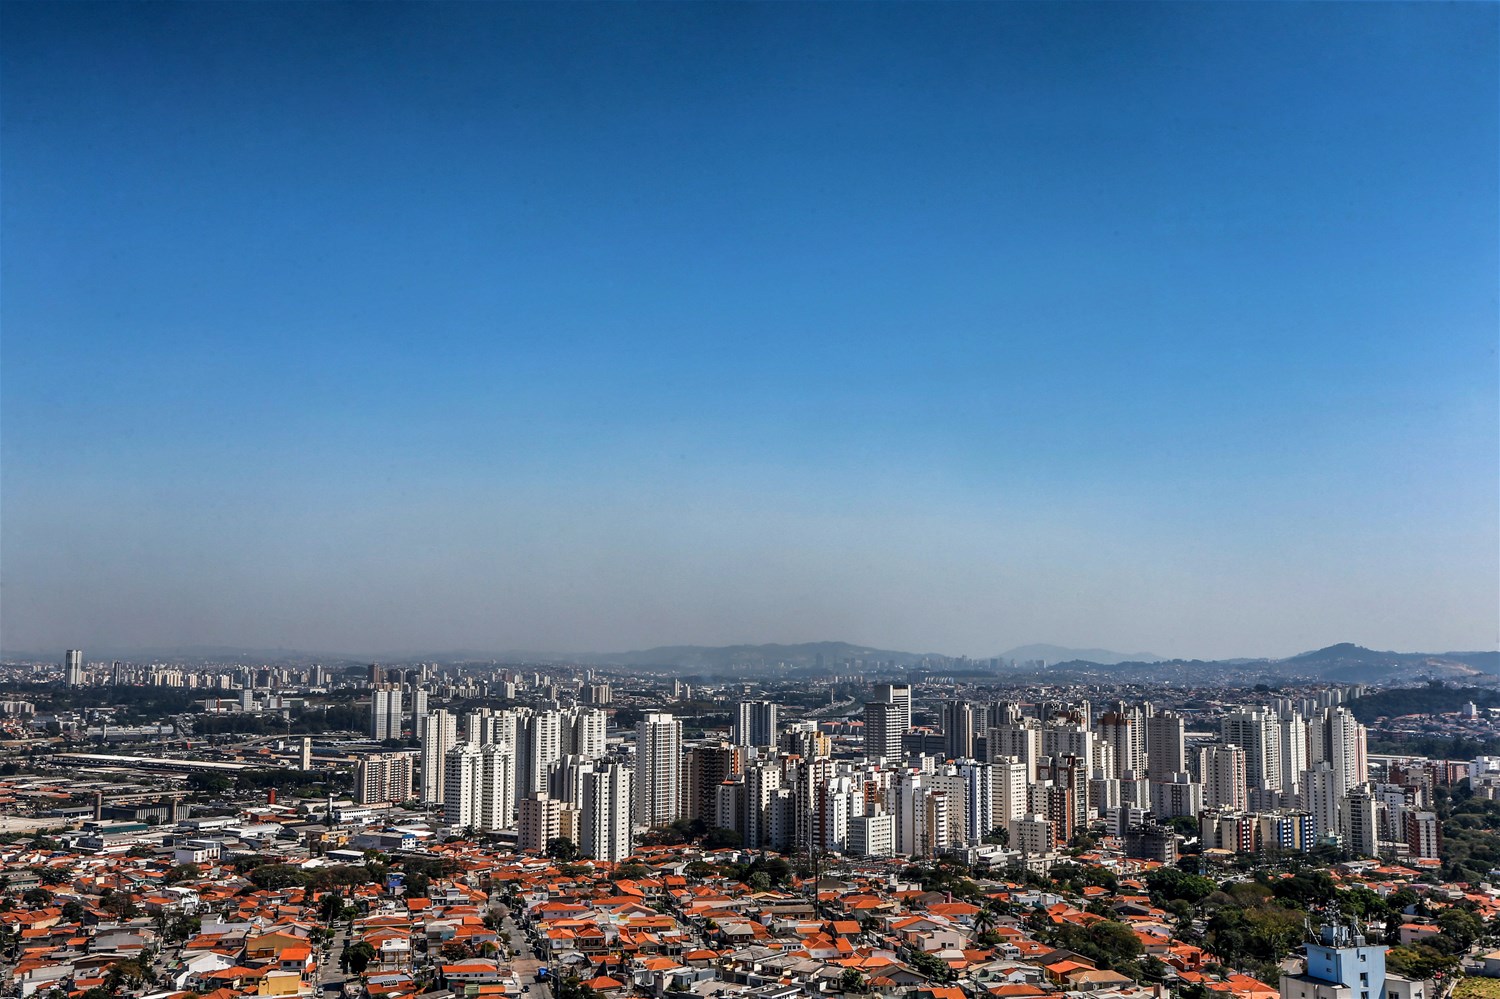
940, 326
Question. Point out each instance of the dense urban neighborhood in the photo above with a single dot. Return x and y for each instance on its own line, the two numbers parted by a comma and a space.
936, 830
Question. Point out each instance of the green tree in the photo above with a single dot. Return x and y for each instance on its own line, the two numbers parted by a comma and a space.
359, 956
563, 849
1463, 927
1169, 883
719, 838
1419, 961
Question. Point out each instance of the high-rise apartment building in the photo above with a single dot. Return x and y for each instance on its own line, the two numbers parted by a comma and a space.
479, 787
1009, 793
1359, 823
1258, 732
1424, 835
704, 769
1166, 745
1222, 772
1344, 738
385, 712
883, 731
604, 819
1018, 739
1124, 732
1321, 795
898, 694
539, 743
73, 667
754, 724
538, 822
658, 769
583, 733
382, 777
958, 730
1177, 795
1293, 751
439, 735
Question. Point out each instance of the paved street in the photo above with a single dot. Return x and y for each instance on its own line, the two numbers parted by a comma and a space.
526, 961
329, 972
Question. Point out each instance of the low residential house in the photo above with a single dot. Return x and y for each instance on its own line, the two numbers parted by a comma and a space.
473, 970
281, 983
41, 975
190, 974
1095, 980
392, 948
928, 933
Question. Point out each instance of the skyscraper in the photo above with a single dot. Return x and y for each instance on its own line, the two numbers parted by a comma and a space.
604, 819
439, 735
658, 769
883, 731
479, 786
1222, 774
1345, 739
1258, 732
1122, 731
385, 713
898, 694
958, 730
73, 667
754, 724
1166, 746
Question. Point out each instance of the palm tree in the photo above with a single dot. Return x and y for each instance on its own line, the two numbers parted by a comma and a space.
985, 919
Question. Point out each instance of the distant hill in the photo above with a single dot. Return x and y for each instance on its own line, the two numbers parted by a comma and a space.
1061, 654
728, 658
1350, 663
1341, 663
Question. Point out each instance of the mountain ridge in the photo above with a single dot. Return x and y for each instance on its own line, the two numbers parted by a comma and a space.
1343, 662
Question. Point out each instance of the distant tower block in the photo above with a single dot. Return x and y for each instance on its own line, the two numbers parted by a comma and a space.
73, 667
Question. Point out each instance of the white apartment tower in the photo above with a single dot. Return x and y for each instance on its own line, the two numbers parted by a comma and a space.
1009, 794
439, 735
583, 733
1222, 771
604, 819
479, 786
754, 724
1124, 731
539, 739
1345, 739
1258, 732
385, 712
658, 769
1293, 751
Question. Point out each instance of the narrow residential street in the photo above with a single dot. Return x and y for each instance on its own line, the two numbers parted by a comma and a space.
526, 961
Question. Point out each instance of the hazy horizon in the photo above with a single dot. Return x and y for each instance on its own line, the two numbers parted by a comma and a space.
574, 327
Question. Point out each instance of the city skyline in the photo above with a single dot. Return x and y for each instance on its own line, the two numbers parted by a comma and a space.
574, 327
